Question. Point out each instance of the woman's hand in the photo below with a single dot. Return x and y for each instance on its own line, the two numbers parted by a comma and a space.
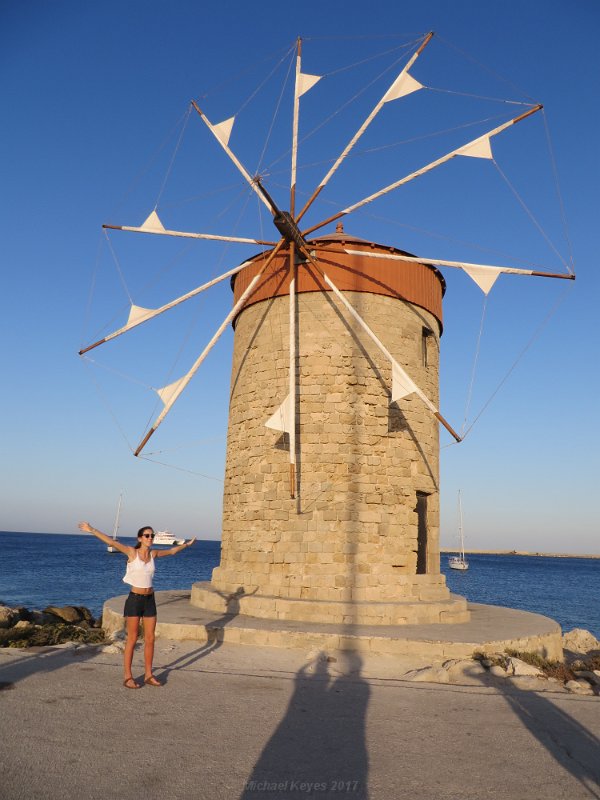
85, 526
191, 542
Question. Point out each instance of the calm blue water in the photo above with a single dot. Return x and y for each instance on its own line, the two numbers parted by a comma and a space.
41, 569
38, 569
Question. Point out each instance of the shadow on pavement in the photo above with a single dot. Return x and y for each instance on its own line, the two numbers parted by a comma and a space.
319, 748
570, 743
213, 642
36, 659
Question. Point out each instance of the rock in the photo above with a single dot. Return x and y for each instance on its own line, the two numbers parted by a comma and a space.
530, 683
579, 687
8, 617
19, 632
580, 641
115, 647
86, 614
23, 613
427, 675
464, 668
520, 668
592, 676
70, 614
498, 672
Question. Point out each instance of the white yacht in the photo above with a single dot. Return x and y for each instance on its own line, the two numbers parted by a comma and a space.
166, 537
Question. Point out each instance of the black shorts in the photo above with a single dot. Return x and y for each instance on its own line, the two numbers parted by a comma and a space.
140, 605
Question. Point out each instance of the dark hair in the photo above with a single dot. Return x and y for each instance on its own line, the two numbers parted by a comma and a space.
139, 534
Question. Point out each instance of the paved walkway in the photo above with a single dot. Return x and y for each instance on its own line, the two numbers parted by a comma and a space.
250, 723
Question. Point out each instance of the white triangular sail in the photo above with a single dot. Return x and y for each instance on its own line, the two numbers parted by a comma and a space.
167, 393
478, 148
152, 223
306, 82
484, 277
282, 418
223, 130
402, 385
403, 85
138, 314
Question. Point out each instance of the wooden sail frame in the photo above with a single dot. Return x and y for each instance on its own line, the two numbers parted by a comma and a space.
294, 240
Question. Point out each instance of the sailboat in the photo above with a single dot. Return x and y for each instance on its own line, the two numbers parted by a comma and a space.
459, 561
110, 547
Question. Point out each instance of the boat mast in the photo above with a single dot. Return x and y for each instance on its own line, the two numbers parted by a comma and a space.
116, 525
460, 527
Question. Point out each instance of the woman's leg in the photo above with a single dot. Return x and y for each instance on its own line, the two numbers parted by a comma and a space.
132, 626
149, 628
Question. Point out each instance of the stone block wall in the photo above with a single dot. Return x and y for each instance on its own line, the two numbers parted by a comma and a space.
350, 535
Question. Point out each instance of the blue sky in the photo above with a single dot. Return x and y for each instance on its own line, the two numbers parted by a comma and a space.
94, 97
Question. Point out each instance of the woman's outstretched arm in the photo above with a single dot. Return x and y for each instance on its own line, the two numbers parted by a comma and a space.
174, 550
122, 548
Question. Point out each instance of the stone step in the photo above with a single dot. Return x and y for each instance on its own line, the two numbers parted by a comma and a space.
452, 609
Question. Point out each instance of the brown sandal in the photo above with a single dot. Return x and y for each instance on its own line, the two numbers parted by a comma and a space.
152, 681
127, 681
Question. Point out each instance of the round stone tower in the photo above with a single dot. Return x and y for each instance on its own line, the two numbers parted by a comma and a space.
359, 543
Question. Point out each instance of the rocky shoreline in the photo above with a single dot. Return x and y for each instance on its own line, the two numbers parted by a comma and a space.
20, 627
578, 673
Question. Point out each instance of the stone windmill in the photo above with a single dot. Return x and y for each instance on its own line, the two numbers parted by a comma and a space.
331, 498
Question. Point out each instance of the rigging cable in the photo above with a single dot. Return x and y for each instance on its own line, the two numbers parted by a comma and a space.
339, 109
265, 81
177, 146
217, 87
118, 266
136, 180
483, 67
558, 192
180, 469
532, 217
480, 96
275, 113
88, 307
108, 406
474, 368
532, 339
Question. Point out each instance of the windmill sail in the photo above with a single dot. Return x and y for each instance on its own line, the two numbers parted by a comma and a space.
281, 419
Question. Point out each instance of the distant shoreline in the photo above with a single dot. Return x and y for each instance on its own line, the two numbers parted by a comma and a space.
446, 550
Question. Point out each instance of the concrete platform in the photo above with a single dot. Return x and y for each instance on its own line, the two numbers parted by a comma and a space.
490, 629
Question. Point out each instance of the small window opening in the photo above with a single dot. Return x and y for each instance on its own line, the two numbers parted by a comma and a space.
421, 509
425, 334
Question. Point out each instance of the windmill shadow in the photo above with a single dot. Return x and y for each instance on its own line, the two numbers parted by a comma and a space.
213, 628
319, 747
571, 744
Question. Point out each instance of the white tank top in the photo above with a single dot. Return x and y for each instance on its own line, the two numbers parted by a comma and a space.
140, 573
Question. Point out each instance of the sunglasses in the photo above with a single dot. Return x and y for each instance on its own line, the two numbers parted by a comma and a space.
148, 535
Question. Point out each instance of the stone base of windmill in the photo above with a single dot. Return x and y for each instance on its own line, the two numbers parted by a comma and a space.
411, 600
490, 630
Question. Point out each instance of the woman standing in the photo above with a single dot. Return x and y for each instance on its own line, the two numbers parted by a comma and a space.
140, 603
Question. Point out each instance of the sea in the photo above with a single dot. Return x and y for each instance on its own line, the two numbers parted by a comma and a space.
41, 569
